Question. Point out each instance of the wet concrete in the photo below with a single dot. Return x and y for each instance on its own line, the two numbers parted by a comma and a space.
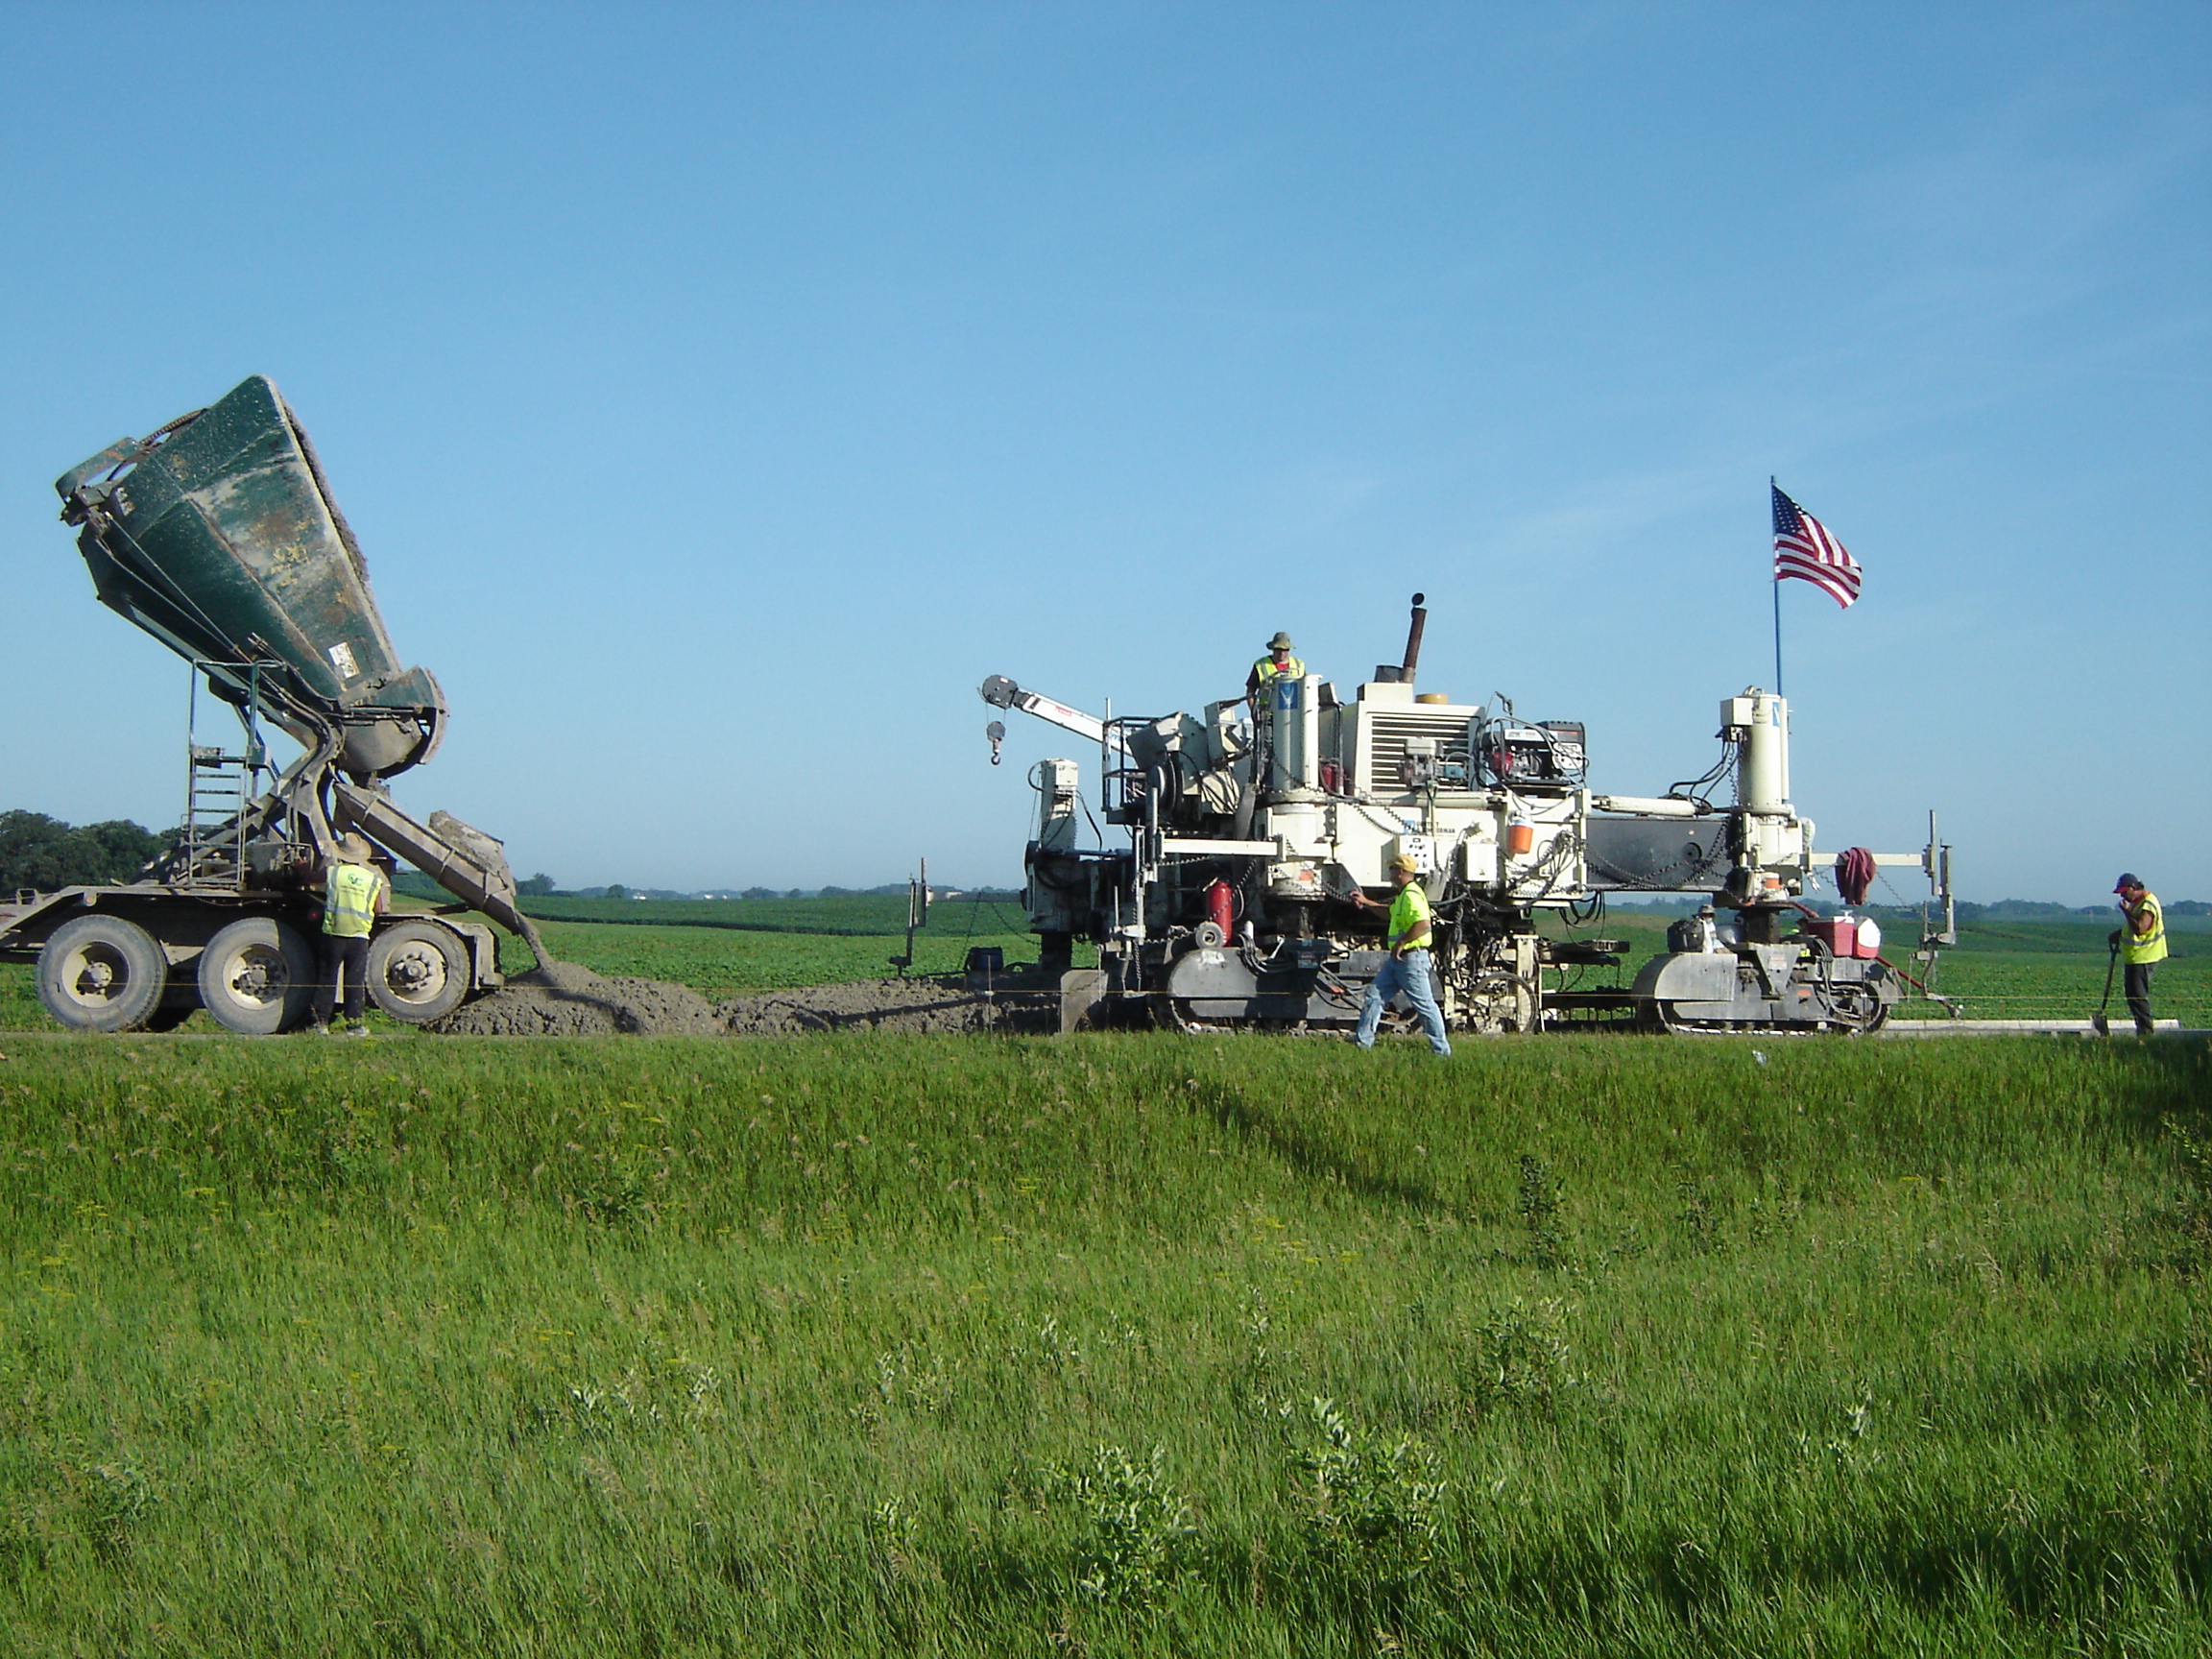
561, 1000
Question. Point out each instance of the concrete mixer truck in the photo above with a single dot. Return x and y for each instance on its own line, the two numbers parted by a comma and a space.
1233, 903
219, 535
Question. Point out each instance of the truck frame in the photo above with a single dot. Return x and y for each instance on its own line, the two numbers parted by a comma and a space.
218, 536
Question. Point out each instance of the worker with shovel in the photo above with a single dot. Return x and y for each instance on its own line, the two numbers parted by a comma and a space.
2140, 944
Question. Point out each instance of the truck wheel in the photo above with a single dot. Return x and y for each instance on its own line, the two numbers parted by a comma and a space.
418, 971
257, 976
102, 974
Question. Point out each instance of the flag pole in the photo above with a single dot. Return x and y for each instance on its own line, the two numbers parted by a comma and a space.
1775, 582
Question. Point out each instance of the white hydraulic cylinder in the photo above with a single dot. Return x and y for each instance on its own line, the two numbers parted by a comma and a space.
1649, 805
1759, 722
1294, 761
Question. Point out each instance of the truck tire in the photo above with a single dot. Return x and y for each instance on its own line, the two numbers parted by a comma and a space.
418, 971
102, 974
257, 976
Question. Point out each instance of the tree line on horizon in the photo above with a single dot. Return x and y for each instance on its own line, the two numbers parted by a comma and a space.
45, 854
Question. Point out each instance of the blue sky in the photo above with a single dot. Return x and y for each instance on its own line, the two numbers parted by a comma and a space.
721, 392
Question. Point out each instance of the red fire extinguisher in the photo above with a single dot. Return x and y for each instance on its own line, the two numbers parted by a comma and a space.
1221, 906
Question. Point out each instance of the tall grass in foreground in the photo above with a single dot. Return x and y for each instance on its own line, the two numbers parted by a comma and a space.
1125, 1345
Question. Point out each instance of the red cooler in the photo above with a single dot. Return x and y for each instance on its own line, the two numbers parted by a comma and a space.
1839, 933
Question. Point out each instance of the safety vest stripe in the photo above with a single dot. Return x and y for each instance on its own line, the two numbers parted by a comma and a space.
350, 910
2150, 947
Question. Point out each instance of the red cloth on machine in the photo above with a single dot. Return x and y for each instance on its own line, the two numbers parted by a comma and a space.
1853, 873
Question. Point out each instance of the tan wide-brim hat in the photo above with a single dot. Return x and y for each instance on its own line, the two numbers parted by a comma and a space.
355, 849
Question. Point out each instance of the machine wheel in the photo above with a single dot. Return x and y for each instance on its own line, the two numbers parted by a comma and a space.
257, 976
102, 974
1495, 1005
1662, 1017
417, 972
1863, 1015
1172, 1014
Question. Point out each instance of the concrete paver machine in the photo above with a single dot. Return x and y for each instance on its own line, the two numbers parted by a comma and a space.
1232, 905
218, 535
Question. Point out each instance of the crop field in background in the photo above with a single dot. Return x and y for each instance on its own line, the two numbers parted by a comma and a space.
2055, 969
1104, 1345
720, 961
2019, 971
851, 913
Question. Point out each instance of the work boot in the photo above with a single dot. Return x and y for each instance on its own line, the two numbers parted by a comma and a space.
356, 1030
319, 1029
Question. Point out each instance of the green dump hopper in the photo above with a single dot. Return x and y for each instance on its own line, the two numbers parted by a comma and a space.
219, 537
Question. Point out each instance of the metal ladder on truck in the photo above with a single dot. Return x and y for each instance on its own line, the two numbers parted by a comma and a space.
218, 786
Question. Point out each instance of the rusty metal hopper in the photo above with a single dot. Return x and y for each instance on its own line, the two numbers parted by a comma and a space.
219, 537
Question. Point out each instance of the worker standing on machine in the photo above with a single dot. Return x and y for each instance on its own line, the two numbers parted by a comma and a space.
2142, 941
1407, 968
354, 894
1277, 664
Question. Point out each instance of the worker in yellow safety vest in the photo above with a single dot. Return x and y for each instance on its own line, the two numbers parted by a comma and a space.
1406, 969
2141, 939
1277, 664
354, 894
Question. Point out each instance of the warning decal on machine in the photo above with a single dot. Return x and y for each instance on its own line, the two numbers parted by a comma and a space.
342, 657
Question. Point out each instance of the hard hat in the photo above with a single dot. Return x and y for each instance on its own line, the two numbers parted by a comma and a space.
1280, 642
2125, 883
355, 849
1406, 862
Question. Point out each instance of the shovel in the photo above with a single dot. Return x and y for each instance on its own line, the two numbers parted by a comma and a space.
2098, 1025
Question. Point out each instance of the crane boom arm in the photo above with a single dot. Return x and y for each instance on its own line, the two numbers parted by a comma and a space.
1001, 692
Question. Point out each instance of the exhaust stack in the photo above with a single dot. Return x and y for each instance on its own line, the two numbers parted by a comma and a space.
1413, 640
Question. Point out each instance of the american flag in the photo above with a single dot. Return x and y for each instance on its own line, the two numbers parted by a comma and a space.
1804, 548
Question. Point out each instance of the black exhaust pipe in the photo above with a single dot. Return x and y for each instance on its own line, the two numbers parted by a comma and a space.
1413, 640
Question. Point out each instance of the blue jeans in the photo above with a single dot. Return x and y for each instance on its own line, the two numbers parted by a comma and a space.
1408, 974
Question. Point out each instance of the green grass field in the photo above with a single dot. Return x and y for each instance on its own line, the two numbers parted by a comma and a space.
851, 913
722, 962
1104, 1345
2055, 969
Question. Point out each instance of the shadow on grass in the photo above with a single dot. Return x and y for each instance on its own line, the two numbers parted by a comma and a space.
1591, 1589
2176, 1073
1307, 1154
